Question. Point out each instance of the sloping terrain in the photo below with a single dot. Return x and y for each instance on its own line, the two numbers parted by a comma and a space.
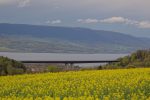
34, 38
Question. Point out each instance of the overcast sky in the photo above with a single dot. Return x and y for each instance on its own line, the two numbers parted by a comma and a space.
126, 16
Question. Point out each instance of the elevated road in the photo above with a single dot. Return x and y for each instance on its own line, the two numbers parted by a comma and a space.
72, 62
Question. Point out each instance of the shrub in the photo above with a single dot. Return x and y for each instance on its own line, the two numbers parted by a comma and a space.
11, 67
53, 69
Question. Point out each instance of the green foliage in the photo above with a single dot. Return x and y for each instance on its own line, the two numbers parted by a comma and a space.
99, 67
11, 67
53, 69
140, 58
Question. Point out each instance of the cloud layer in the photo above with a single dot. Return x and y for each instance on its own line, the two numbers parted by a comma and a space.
23, 3
19, 3
88, 21
7, 2
130, 16
58, 21
117, 20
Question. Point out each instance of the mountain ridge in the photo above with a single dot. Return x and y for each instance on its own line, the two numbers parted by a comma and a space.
78, 40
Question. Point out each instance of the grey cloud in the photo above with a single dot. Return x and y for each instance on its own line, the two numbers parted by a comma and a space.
139, 24
7, 2
88, 21
118, 20
23, 3
19, 3
58, 21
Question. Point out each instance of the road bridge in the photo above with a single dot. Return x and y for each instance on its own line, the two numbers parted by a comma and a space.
69, 64
73, 62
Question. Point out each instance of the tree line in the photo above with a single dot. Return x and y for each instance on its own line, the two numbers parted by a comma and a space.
11, 67
140, 58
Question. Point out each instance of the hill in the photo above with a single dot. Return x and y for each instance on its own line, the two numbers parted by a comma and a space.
140, 58
36, 38
10, 67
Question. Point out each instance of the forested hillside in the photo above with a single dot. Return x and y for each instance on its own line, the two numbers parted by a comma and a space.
140, 58
10, 67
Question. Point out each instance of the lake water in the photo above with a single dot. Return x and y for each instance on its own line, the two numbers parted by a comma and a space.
61, 57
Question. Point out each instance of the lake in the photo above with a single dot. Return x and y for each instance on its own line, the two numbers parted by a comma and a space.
61, 57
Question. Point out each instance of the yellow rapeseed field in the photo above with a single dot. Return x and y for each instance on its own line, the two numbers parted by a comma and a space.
122, 84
